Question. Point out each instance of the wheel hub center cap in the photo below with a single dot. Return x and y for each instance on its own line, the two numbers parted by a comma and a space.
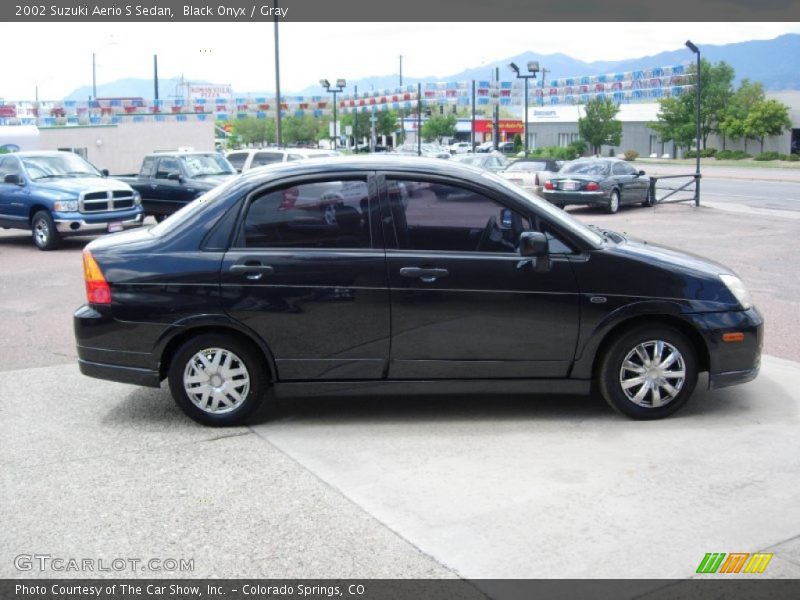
216, 381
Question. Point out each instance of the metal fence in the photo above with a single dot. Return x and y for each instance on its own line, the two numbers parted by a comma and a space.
672, 193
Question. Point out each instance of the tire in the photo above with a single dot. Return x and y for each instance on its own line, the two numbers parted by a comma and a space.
160, 218
648, 199
43, 229
661, 391
613, 202
200, 364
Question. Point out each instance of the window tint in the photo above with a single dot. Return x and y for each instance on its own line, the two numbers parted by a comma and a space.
435, 216
328, 214
266, 158
148, 164
619, 169
588, 167
8, 166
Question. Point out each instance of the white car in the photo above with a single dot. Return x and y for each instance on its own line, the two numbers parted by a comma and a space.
244, 160
460, 148
531, 173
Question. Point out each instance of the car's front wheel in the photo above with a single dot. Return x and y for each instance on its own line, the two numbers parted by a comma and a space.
648, 372
45, 234
217, 379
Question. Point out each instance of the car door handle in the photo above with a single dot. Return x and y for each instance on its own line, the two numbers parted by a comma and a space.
426, 275
252, 270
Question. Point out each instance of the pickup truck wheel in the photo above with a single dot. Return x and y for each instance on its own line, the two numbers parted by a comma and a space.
217, 379
45, 234
160, 218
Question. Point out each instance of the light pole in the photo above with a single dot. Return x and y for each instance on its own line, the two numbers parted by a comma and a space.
340, 85
696, 50
533, 68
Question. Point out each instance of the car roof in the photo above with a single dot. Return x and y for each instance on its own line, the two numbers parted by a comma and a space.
383, 162
39, 153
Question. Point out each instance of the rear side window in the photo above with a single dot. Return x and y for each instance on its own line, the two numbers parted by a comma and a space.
326, 214
148, 166
166, 166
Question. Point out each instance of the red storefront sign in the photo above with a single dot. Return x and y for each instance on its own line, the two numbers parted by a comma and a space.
510, 126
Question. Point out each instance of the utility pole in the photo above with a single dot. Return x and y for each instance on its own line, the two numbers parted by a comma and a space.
94, 78
277, 84
496, 128
155, 76
544, 75
402, 120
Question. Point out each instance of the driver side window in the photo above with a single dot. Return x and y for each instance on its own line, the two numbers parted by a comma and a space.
443, 217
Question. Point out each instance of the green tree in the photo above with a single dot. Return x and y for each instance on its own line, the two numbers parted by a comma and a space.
767, 117
254, 131
386, 123
599, 126
673, 125
732, 123
439, 127
304, 129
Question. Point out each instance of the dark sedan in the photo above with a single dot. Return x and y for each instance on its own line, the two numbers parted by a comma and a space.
387, 274
605, 182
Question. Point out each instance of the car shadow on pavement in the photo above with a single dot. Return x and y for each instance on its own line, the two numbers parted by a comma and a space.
23, 240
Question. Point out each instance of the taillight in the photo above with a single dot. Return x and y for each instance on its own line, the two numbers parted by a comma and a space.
592, 186
548, 185
97, 289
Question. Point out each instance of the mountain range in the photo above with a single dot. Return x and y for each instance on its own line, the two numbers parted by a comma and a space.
775, 63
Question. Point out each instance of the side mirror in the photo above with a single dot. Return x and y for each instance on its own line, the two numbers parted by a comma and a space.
641, 173
174, 176
13, 179
105, 173
532, 243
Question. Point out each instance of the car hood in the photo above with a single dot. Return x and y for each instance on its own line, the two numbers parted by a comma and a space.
83, 184
671, 258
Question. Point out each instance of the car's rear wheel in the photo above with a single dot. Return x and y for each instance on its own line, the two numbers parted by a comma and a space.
613, 202
217, 379
45, 234
648, 372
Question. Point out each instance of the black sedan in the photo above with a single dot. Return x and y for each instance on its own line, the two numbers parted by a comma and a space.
605, 182
392, 274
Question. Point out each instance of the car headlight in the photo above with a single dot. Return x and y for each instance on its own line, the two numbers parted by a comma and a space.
736, 287
137, 198
66, 206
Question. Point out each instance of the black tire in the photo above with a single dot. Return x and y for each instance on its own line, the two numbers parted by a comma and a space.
244, 356
611, 374
43, 229
160, 218
648, 199
613, 202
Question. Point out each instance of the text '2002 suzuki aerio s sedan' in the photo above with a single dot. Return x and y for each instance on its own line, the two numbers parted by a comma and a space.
403, 273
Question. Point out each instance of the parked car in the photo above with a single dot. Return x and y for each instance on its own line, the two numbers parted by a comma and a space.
167, 181
605, 182
531, 173
485, 147
59, 194
491, 162
460, 148
506, 147
440, 277
244, 160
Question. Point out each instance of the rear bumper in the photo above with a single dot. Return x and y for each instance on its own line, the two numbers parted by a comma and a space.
133, 375
599, 198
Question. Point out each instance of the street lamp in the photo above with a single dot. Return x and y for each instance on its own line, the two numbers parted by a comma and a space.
696, 50
340, 85
533, 68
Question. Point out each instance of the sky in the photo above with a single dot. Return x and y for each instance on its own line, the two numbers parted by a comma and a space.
57, 57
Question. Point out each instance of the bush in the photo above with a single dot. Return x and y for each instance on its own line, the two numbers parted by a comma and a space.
771, 155
518, 145
556, 152
631, 155
579, 146
733, 155
794, 158
706, 153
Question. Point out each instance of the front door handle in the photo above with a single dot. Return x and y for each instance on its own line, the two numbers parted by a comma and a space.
252, 270
426, 275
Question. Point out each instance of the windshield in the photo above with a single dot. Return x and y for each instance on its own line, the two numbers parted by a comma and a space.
527, 165
471, 159
587, 168
58, 165
188, 211
556, 215
201, 165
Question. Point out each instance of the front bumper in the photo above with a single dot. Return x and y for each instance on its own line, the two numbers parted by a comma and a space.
81, 226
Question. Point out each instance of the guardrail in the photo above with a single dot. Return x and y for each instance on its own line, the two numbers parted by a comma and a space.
693, 184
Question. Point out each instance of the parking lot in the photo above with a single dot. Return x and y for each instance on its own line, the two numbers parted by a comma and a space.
401, 487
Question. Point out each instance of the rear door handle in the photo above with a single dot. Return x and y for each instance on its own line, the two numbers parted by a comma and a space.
252, 270
426, 275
